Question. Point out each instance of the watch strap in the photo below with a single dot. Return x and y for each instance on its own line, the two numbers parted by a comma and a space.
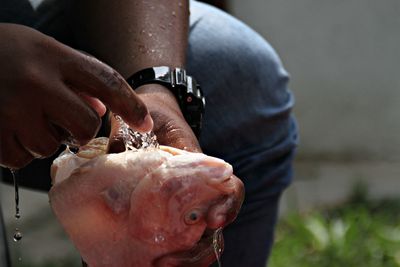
161, 75
185, 89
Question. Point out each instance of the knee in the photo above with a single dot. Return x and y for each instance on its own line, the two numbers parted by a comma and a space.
245, 84
233, 62
224, 48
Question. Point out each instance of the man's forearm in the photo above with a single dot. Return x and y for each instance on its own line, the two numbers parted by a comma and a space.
131, 35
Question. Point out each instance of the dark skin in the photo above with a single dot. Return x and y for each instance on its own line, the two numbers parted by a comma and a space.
45, 96
149, 33
50, 92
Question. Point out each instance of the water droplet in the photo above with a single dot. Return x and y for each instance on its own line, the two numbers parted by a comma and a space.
142, 48
135, 140
180, 4
159, 238
16, 192
173, 13
152, 50
150, 34
217, 249
17, 235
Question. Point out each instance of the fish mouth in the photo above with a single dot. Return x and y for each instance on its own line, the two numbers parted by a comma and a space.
203, 253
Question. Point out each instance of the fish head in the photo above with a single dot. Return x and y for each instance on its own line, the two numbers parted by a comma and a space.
152, 207
182, 206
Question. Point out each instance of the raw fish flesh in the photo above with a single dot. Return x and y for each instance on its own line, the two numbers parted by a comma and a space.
147, 207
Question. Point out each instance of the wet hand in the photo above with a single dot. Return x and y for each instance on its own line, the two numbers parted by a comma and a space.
50, 92
170, 126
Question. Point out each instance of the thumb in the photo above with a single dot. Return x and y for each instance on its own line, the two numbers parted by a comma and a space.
117, 137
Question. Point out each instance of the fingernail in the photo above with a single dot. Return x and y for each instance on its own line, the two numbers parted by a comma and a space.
147, 124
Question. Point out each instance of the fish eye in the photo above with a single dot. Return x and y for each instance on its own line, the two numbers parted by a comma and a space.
192, 217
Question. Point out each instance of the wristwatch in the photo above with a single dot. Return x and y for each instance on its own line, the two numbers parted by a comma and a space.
186, 90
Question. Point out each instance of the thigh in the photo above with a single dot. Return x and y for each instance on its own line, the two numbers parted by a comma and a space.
17, 11
47, 16
53, 19
247, 122
247, 119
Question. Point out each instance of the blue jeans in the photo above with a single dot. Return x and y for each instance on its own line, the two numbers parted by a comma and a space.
247, 122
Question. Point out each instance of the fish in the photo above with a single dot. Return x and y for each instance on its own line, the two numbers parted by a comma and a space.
144, 208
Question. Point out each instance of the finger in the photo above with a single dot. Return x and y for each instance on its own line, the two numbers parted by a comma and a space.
71, 113
95, 103
42, 141
12, 154
89, 75
116, 143
172, 130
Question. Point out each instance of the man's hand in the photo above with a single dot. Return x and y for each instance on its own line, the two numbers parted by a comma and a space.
170, 126
50, 92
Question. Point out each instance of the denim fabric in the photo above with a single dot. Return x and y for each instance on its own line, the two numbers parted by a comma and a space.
17, 11
247, 122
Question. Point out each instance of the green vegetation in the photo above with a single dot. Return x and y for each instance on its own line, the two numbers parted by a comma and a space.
360, 233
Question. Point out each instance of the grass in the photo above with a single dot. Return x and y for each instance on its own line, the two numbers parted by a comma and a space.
361, 233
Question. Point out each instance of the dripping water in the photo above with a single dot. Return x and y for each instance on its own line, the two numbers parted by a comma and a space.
16, 192
17, 233
17, 236
217, 248
135, 140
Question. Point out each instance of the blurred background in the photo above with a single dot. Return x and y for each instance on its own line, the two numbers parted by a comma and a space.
342, 208
344, 63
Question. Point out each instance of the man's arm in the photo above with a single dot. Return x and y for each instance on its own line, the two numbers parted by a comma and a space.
133, 35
